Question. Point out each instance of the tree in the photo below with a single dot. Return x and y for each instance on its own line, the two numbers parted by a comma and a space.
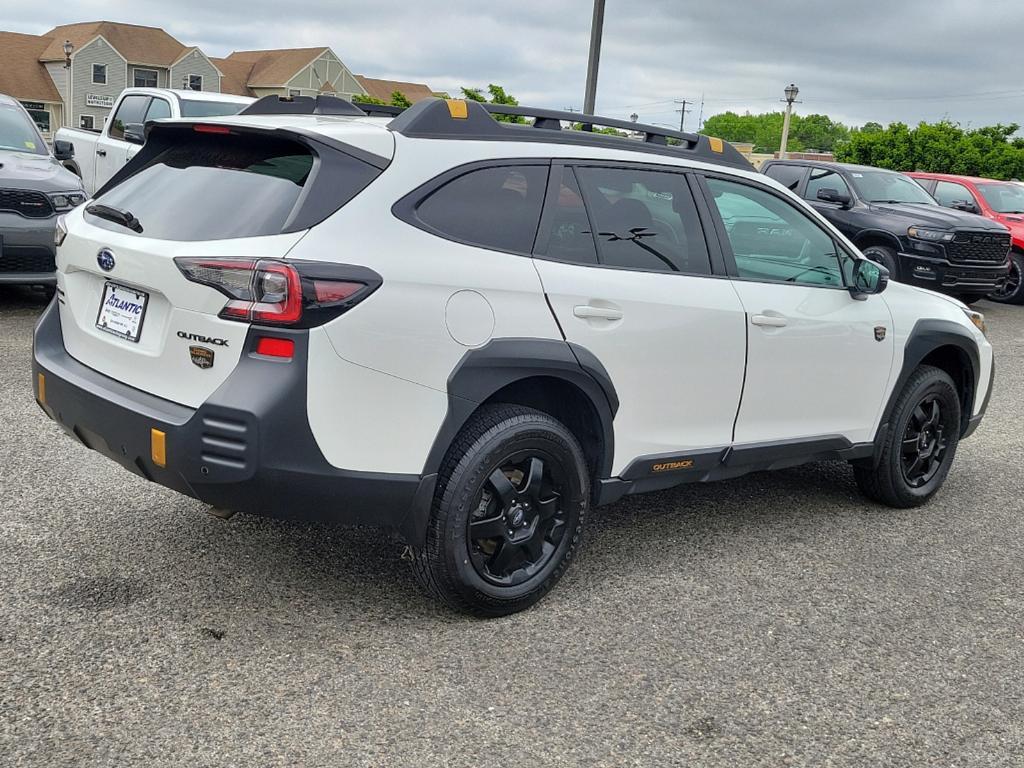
398, 99
361, 99
942, 147
498, 96
764, 131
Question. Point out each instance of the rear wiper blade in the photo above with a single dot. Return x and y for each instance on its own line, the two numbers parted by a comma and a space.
116, 215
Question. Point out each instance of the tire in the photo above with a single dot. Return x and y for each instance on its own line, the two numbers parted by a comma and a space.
1013, 292
886, 256
896, 481
503, 528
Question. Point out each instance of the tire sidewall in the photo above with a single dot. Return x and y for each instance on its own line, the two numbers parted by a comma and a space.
469, 479
1017, 297
940, 384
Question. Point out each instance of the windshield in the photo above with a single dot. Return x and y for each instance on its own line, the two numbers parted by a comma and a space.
1003, 198
18, 132
888, 187
210, 108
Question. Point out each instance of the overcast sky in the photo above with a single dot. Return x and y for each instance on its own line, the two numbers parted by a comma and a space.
856, 60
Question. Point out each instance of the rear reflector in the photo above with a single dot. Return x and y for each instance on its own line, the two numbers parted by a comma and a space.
275, 347
158, 446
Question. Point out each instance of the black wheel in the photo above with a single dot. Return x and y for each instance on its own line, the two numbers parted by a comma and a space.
920, 445
881, 254
508, 512
1013, 291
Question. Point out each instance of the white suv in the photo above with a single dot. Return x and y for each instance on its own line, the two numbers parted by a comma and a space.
470, 331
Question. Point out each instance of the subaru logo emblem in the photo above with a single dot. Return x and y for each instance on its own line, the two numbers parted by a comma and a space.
106, 260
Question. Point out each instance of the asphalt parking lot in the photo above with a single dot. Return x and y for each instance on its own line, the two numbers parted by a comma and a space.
774, 620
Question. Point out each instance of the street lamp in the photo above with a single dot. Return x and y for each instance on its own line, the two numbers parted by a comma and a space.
634, 117
66, 106
791, 92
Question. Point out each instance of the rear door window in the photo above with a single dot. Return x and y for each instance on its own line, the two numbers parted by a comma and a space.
214, 187
787, 175
497, 207
644, 219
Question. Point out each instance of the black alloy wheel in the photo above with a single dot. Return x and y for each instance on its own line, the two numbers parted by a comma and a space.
924, 442
881, 254
1011, 292
519, 519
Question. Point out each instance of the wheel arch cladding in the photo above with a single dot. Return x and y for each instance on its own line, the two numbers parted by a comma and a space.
947, 346
561, 379
871, 237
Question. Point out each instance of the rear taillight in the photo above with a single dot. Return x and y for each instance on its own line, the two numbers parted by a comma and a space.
270, 292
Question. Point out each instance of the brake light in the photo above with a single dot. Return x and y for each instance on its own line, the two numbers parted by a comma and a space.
222, 129
270, 292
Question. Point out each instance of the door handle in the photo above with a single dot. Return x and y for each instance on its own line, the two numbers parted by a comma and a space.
771, 321
587, 311
101, 152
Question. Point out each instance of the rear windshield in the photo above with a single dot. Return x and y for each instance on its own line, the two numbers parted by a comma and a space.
209, 108
214, 188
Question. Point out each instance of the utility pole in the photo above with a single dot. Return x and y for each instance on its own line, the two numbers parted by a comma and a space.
596, 27
700, 115
682, 112
791, 93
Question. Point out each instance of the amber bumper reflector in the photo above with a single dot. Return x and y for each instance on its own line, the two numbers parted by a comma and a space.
41, 386
158, 441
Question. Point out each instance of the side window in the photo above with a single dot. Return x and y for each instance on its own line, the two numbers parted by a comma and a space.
131, 111
195, 82
566, 227
158, 109
644, 220
145, 78
787, 175
774, 241
822, 178
948, 193
99, 74
495, 208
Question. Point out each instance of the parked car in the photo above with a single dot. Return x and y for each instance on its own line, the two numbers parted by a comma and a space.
896, 223
471, 332
1001, 201
34, 190
101, 154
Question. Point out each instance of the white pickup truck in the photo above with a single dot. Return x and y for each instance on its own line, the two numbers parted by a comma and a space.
101, 154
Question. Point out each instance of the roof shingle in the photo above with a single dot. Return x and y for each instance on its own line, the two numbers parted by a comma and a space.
382, 89
138, 44
21, 74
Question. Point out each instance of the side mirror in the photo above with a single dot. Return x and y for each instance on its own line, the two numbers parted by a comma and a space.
869, 278
134, 133
828, 195
967, 206
63, 150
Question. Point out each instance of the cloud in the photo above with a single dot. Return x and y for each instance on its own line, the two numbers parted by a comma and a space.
856, 61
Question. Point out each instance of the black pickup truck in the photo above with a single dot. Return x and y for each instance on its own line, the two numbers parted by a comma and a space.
896, 223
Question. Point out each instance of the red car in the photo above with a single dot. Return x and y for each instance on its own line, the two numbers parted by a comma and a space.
1001, 201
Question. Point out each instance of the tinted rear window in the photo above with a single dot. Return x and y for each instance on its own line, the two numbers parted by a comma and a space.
209, 108
495, 208
214, 188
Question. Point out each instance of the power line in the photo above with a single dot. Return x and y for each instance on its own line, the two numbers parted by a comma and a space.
682, 112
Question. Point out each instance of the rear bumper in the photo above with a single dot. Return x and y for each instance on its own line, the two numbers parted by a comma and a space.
248, 448
947, 277
26, 250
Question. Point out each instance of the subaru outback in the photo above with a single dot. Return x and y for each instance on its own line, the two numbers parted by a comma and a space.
472, 332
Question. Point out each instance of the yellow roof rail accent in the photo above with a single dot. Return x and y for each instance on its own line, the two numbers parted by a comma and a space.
716, 144
457, 108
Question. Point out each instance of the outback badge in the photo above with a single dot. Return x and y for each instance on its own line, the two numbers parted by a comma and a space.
879, 333
201, 356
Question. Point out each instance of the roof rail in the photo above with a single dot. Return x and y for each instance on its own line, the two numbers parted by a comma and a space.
303, 105
458, 119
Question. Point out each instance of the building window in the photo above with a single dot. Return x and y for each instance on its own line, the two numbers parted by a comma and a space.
145, 78
86, 122
99, 74
195, 82
294, 92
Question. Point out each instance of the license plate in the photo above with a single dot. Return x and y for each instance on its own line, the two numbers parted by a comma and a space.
122, 311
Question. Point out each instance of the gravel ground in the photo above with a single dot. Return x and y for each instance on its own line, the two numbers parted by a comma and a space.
774, 620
